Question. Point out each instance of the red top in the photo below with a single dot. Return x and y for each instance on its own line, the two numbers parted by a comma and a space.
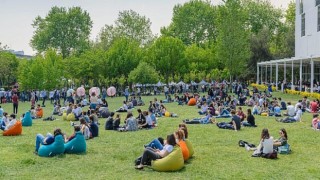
15, 98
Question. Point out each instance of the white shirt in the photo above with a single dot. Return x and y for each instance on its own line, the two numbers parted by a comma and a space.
168, 148
267, 145
149, 120
298, 115
291, 110
296, 106
11, 123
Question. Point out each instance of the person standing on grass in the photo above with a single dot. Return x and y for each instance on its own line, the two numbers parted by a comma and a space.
15, 102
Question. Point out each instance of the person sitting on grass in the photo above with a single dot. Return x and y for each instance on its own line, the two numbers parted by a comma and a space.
94, 128
313, 107
290, 110
148, 123
150, 154
265, 145
124, 107
256, 109
76, 129
241, 114
234, 124
49, 139
296, 118
57, 110
250, 120
77, 111
116, 122
85, 128
5, 121
85, 116
283, 140
204, 109
316, 122
222, 112
140, 102
33, 112
277, 110
153, 118
12, 121
131, 123
141, 118
109, 122
283, 104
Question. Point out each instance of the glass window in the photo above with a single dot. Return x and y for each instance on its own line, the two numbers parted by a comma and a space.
301, 6
303, 24
317, 2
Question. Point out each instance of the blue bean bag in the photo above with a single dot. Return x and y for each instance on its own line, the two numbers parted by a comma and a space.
27, 120
57, 147
76, 145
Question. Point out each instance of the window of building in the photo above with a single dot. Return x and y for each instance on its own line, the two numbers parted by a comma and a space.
318, 18
301, 6
317, 2
303, 24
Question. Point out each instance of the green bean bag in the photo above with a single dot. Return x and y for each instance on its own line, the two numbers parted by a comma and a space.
64, 116
27, 120
76, 145
190, 147
71, 117
173, 162
57, 147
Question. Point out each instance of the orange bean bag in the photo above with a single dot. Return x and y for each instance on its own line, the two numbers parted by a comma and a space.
40, 113
15, 130
192, 102
184, 149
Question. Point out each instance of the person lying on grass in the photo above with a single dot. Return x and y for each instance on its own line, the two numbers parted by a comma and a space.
204, 120
49, 139
296, 118
150, 154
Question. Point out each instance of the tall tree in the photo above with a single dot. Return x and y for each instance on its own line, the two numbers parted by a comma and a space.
167, 55
66, 30
193, 22
130, 25
144, 74
9, 67
233, 46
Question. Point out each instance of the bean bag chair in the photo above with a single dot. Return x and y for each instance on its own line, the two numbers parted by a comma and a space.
57, 147
40, 113
264, 114
27, 120
64, 116
192, 102
15, 130
167, 114
76, 145
172, 162
190, 147
184, 149
71, 117
105, 114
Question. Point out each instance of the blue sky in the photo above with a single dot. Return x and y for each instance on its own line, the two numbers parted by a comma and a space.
16, 16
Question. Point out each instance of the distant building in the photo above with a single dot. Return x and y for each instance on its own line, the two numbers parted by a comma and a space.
307, 51
19, 54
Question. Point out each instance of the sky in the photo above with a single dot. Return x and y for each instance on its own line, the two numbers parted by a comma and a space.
16, 16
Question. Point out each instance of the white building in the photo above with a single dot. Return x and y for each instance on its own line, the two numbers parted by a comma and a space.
307, 49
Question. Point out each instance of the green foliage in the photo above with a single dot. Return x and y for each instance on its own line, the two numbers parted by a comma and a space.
193, 23
130, 25
167, 55
65, 30
9, 66
233, 37
144, 74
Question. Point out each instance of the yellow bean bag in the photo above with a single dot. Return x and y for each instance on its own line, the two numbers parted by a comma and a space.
172, 162
64, 116
15, 130
190, 147
71, 117
264, 114
167, 114
184, 149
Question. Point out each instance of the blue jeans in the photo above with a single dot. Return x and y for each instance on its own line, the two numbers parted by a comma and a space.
39, 140
3, 125
155, 144
247, 124
224, 125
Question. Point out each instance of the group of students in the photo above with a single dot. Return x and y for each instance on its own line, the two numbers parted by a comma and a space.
159, 148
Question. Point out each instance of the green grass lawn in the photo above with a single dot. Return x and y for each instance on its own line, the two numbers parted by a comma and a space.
111, 155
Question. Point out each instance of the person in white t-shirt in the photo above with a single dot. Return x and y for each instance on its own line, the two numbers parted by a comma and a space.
265, 145
153, 154
11, 123
290, 110
296, 118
